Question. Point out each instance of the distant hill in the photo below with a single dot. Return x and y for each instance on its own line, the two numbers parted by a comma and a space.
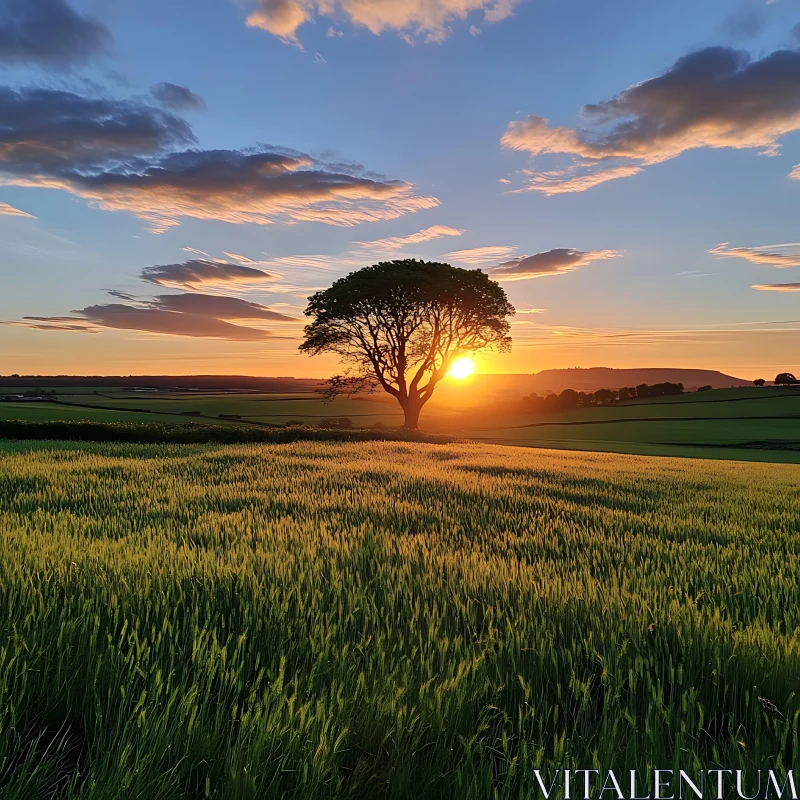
590, 380
494, 388
208, 382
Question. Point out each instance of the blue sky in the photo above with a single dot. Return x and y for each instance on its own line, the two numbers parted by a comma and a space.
622, 274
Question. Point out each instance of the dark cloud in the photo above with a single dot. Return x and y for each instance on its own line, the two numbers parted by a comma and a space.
195, 315
178, 98
49, 33
212, 305
121, 155
49, 133
551, 262
744, 24
242, 187
200, 272
716, 97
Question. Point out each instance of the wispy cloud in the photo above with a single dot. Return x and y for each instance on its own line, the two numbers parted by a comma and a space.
480, 255
9, 211
777, 287
774, 255
398, 242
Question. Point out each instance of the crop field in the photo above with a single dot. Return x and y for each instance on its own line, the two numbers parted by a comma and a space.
743, 424
387, 620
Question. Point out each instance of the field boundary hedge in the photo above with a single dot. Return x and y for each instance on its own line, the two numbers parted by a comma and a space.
166, 433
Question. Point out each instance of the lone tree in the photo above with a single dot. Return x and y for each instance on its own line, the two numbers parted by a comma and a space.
785, 379
399, 325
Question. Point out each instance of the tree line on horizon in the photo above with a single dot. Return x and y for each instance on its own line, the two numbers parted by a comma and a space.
570, 399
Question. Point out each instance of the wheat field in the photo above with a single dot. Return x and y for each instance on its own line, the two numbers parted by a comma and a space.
387, 620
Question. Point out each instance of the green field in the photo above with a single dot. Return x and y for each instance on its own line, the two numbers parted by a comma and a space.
387, 620
744, 424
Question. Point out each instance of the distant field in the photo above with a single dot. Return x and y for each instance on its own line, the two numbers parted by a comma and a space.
746, 423
325, 621
752, 424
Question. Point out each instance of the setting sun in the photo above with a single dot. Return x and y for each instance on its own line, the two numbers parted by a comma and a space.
462, 368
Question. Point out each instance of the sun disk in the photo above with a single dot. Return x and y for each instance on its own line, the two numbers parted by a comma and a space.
462, 368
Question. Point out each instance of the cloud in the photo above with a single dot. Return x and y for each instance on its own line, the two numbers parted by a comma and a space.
744, 24
552, 262
177, 98
238, 187
398, 242
777, 287
10, 211
123, 155
281, 18
199, 272
211, 305
480, 255
51, 133
775, 255
411, 19
201, 316
48, 33
572, 180
716, 98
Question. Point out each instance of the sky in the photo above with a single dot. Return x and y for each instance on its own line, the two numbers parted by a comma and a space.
177, 178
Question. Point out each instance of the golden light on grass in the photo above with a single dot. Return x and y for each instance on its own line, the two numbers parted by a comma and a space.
462, 368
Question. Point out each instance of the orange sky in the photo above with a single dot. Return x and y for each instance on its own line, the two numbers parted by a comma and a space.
736, 351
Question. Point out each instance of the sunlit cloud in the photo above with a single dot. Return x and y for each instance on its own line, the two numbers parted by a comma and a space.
551, 262
573, 179
9, 211
480, 255
777, 287
774, 255
428, 20
398, 242
712, 98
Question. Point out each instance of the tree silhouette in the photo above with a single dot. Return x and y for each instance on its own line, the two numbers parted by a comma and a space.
785, 379
399, 325
759, 382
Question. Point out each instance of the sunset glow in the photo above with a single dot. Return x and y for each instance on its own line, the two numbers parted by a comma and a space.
134, 178
462, 368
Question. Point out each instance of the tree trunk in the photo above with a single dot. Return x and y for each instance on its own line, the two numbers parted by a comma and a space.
412, 410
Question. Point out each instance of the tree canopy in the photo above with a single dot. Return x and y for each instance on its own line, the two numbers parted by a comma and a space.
399, 326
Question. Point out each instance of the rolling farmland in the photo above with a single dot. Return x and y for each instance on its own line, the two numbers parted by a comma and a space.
742, 423
372, 620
